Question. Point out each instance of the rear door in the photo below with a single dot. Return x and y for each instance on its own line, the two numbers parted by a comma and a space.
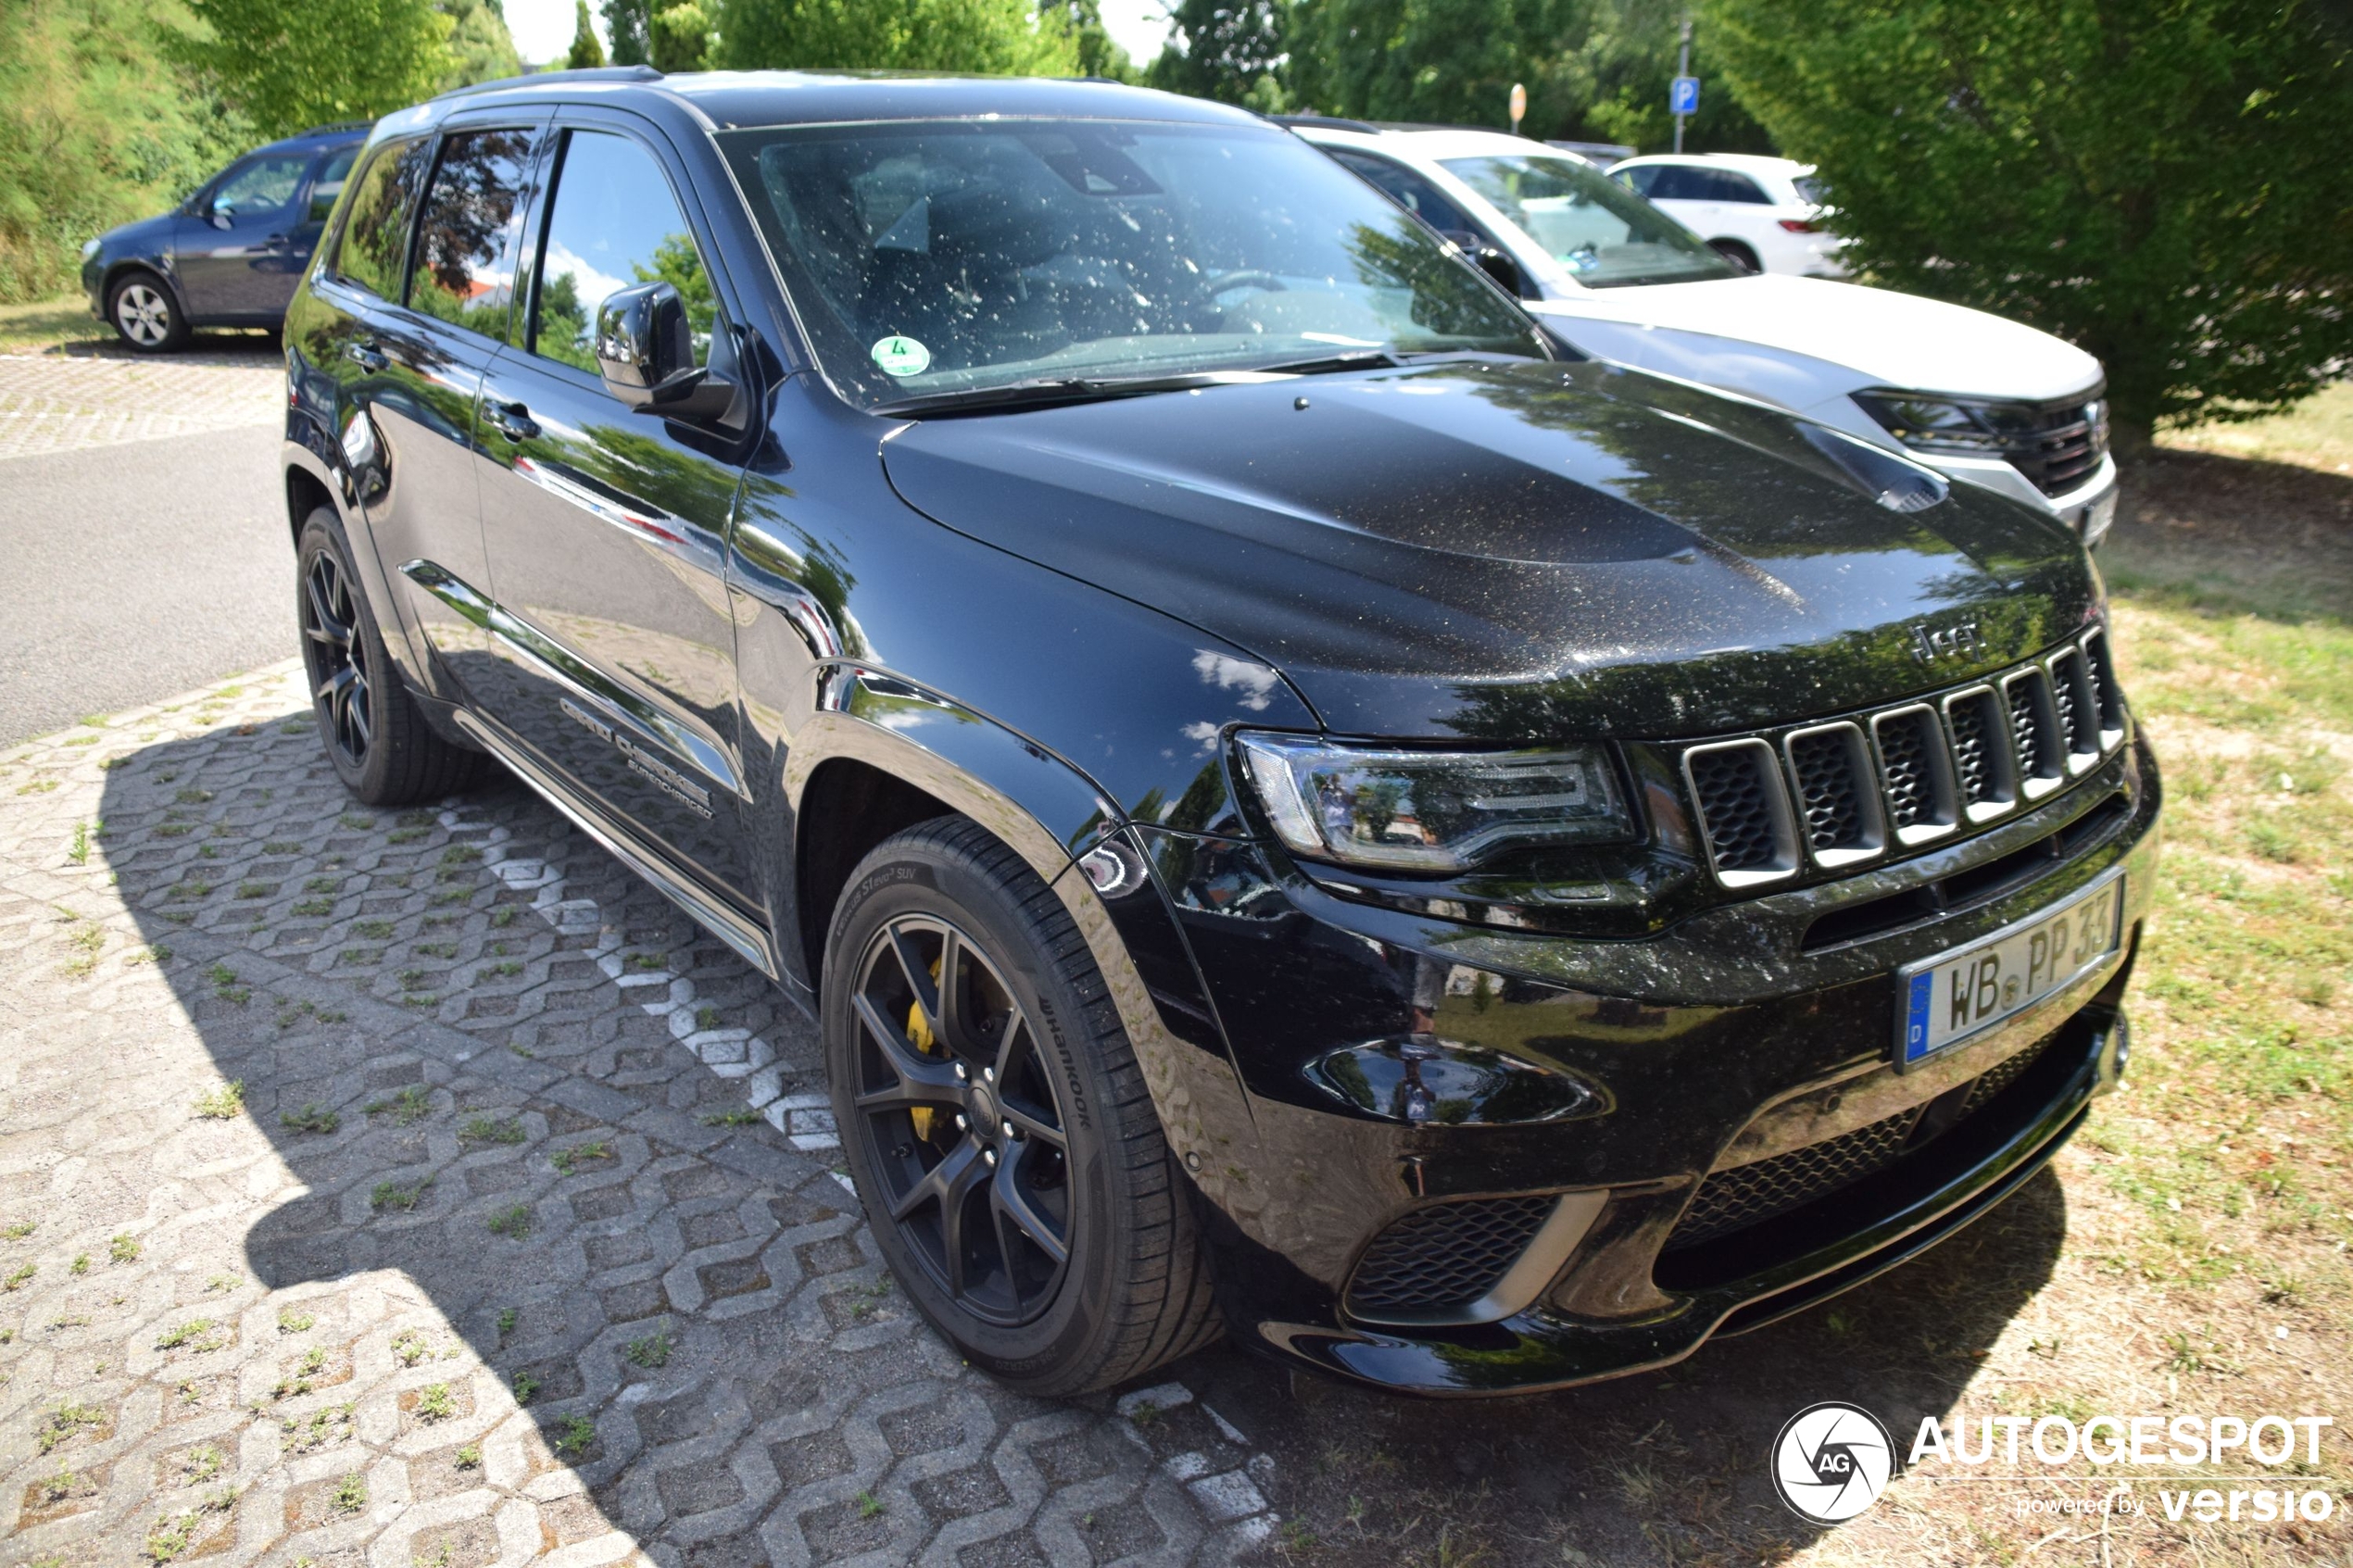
606, 529
238, 253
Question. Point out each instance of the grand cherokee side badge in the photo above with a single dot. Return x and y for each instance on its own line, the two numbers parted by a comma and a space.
652, 769
1952, 642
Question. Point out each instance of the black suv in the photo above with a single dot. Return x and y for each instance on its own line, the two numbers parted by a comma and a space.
1295, 809
231, 255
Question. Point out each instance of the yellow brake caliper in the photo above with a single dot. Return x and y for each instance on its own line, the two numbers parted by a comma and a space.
919, 1036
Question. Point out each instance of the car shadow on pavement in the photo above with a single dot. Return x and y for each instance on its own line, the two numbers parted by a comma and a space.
538, 1183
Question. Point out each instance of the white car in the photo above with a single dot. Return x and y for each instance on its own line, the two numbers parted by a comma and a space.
1765, 213
1987, 401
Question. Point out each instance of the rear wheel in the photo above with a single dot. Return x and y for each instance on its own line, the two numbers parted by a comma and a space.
380, 744
1738, 253
997, 1127
140, 308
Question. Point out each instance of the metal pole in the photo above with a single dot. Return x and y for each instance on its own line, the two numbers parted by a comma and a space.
1682, 68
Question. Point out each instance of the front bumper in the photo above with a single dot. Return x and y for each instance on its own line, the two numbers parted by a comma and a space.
2088, 509
1614, 1077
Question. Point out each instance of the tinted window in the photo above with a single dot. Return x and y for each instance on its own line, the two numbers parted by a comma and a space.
1603, 233
464, 268
1679, 184
374, 250
1641, 178
329, 185
1409, 191
258, 185
1809, 189
614, 224
936, 257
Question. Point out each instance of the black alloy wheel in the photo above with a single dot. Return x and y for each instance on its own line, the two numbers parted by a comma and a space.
963, 1119
337, 656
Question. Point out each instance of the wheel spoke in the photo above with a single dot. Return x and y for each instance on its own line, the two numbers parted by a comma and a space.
1032, 1125
947, 1021
1013, 1201
921, 1080
919, 981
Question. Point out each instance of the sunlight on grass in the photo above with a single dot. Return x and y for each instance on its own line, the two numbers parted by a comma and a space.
2316, 433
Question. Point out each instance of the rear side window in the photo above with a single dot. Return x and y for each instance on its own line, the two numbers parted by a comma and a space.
1409, 191
464, 270
614, 223
329, 185
1677, 183
258, 185
1641, 178
374, 249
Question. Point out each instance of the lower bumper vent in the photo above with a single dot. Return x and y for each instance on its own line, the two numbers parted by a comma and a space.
1748, 1195
1446, 1256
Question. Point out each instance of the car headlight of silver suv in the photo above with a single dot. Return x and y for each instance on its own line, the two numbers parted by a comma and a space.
1391, 808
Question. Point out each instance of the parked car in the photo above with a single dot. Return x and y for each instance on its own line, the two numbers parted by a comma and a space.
231, 255
1764, 213
1986, 401
1293, 808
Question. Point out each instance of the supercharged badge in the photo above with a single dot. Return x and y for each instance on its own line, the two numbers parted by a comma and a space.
664, 777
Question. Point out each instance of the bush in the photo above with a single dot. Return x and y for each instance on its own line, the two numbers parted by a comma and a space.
2159, 181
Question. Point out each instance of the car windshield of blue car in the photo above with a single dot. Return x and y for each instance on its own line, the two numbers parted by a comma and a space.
931, 258
1604, 234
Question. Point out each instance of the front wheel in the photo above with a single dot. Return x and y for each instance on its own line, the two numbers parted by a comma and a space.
140, 308
998, 1126
1738, 254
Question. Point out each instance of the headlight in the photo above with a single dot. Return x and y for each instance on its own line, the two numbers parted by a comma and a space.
1430, 810
1940, 424
89, 248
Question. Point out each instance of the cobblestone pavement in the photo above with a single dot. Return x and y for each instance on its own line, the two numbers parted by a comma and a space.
61, 403
418, 1188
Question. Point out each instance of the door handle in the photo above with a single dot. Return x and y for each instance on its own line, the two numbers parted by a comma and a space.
367, 355
513, 421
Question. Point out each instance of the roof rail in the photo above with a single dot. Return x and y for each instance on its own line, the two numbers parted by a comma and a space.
331, 126
1325, 121
541, 78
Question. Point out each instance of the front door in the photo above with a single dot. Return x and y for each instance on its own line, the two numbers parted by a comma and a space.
606, 529
237, 252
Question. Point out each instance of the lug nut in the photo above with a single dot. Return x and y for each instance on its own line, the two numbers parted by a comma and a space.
964, 1074
989, 1074
989, 1155
960, 1122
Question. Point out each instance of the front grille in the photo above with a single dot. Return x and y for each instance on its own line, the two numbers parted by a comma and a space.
1748, 1195
2058, 448
1768, 805
1446, 1256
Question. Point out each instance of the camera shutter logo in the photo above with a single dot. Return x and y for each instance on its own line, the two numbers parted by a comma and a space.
1831, 1461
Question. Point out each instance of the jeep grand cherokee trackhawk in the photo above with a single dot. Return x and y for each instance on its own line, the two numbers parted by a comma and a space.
1297, 810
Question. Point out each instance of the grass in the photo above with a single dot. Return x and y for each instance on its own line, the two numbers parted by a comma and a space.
568, 1160
223, 1102
433, 1402
513, 1221
408, 1107
2318, 432
123, 1248
29, 329
311, 1118
484, 1129
403, 1196
65, 1421
577, 1435
652, 1351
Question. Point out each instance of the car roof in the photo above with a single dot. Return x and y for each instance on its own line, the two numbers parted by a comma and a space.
347, 133
731, 100
1430, 141
1752, 163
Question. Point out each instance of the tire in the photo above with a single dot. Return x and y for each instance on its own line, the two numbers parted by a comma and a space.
379, 742
1032, 1113
142, 312
1738, 253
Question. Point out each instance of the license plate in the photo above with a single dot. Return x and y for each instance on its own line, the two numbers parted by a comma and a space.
1952, 996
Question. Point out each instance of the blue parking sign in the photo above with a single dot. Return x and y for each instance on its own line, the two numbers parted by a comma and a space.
1683, 96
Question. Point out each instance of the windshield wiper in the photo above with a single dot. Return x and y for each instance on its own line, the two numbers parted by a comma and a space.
1042, 391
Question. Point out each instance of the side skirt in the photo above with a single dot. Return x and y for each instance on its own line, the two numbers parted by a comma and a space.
748, 939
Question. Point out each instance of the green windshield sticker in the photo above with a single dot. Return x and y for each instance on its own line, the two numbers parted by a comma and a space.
901, 356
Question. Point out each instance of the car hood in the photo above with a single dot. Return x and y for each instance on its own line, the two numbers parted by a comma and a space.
1510, 550
1886, 338
148, 236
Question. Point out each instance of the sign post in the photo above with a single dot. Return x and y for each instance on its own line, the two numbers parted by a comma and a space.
1683, 97
1519, 105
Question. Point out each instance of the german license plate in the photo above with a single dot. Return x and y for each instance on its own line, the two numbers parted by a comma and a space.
1944, 1001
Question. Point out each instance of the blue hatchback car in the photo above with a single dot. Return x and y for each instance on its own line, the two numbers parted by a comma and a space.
231, 255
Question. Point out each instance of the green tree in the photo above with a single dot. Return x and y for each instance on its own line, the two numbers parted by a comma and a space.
682, 36
98, 123
288, 63
1099, 53
987, 37
1444, 61
481, 48
2161, 181
1613, 87
630, 25
1230, 50
587, 52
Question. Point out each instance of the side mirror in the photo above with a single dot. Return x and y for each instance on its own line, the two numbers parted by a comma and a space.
646, 352
220, 216
1486, 257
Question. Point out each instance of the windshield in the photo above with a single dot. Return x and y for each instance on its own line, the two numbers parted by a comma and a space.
936, 257
1603, 233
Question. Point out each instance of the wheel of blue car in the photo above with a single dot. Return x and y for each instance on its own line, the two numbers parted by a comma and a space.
378, 740
142, 310
997, 1127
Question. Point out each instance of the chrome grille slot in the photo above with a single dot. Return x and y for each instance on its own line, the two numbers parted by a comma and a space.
2079, 707
2034, 730
2110, 696
1743, 811
1918, 773
1836, 794
1981, 763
